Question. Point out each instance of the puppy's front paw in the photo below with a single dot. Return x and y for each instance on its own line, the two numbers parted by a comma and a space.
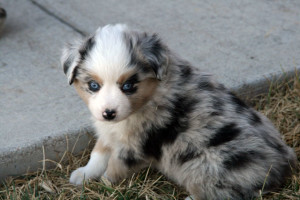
106, 179
109, 178
79, 176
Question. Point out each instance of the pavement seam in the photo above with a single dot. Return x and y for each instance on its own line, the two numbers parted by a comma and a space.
57, 18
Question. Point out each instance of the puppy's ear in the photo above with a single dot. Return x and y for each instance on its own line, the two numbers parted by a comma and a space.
70, 60
155, 53
73, 55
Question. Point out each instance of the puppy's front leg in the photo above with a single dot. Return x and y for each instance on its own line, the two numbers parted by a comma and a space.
116, 170
122, 164
95, 167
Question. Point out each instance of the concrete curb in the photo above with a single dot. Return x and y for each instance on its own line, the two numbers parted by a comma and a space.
30, 158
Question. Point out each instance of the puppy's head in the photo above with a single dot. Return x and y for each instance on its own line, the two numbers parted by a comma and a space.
115, 71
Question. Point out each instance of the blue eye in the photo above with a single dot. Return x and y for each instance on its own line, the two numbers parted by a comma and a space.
94, 86
131, 85
127, 87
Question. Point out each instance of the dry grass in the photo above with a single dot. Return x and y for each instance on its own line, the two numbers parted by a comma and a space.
281, 105
54, 184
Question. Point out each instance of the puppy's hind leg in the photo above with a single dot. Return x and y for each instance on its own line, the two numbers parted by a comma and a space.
95, 167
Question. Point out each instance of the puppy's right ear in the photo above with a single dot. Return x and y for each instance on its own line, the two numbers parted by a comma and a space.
70, 60
74, 54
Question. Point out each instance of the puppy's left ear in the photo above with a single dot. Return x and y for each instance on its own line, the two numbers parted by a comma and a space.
155, 53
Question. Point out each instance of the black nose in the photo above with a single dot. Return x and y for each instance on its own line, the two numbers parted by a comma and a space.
109, 114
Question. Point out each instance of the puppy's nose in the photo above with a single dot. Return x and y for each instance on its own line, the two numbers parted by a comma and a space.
109, 114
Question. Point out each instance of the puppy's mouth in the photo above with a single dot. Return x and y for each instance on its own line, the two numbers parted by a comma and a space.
113, 118
102, 119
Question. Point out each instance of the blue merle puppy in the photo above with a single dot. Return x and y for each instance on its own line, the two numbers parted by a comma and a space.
151, 107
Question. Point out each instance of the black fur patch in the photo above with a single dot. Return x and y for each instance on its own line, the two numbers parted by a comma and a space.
254, 119
84, 51
133, 58
167, 134
237, 189
152, 50
205, 84
131, 49
278, 177
132, 80
148, 62
186, 71
217, 106
67, 64
75, 72
87, 47
224, 134
128, 157
221, 87
241, 159
141, 64
2, 13
135, 52
217, 103
189, 154
239, 193
239, 104
273, 143
129, 41
215, 113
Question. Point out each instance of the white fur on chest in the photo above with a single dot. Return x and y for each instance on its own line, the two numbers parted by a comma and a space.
117, 135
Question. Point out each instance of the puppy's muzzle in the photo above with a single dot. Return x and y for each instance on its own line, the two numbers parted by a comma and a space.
109, 114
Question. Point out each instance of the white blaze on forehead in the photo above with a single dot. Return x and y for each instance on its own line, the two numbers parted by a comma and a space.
110, 56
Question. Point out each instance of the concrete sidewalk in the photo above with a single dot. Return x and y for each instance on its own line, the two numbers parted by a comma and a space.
242, 43
37, 107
